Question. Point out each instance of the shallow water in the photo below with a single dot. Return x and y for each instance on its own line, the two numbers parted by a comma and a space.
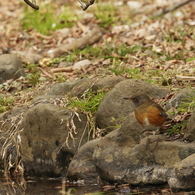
55, 187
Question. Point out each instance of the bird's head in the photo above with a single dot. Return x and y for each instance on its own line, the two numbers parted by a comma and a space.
138, 99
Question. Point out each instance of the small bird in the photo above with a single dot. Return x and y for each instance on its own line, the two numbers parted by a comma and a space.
148, 113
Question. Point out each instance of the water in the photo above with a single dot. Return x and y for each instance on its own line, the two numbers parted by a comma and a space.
56, 187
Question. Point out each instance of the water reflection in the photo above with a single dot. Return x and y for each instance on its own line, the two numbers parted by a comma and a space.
20, 186
56, 187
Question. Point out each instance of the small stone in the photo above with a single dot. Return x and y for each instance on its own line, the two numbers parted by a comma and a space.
81, 64
10, 67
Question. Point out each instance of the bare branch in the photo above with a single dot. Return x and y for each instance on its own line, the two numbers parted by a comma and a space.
34, 6
165, 11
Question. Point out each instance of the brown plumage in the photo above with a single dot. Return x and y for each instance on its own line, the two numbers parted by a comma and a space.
148, 113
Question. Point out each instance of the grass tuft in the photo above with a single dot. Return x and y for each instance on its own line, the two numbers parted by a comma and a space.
6, 103
46, 20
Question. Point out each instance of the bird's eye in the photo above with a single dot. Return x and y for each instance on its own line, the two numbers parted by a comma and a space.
136, 100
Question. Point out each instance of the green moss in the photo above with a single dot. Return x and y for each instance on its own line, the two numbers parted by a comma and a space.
89, 102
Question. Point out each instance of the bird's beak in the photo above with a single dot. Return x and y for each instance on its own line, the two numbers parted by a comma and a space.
128, 98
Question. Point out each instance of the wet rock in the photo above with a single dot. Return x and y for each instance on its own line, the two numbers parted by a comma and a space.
111, 161
114, 108
122, 159
50, 138
124, 156
182, 176
82, 165
147, 161
152, 160
10, 67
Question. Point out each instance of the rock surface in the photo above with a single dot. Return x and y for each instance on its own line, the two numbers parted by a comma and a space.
114, 108
53, 139
10, 67
121, 157
190, 131
184, 95
84, 160
50, 138
183, 174
77, 88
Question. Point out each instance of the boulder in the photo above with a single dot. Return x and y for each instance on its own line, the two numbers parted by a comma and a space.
152, 161
123, 157
183, 96
126, 155
10, 67
182, 176
29, 57
51, 135
82, 165
190, 130
113, 109
77, 88
62, 88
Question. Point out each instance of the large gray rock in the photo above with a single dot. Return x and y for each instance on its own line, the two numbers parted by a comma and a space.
77, 88
29, 57
151, 162
182, 176
10, 67
123, 157
82, 165
50, 138
183, 96
114, 108
61, 88
190, 131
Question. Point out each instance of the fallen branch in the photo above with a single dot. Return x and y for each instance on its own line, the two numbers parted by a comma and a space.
165, 11
185, 77
45, 73
66, 69
34, 6
93, 36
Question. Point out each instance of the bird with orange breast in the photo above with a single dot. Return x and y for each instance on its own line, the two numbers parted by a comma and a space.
147, 112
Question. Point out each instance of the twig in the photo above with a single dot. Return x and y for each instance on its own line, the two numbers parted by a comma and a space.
36, 7
90, 38
45, 73
189, 78
165, 11
65, 69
